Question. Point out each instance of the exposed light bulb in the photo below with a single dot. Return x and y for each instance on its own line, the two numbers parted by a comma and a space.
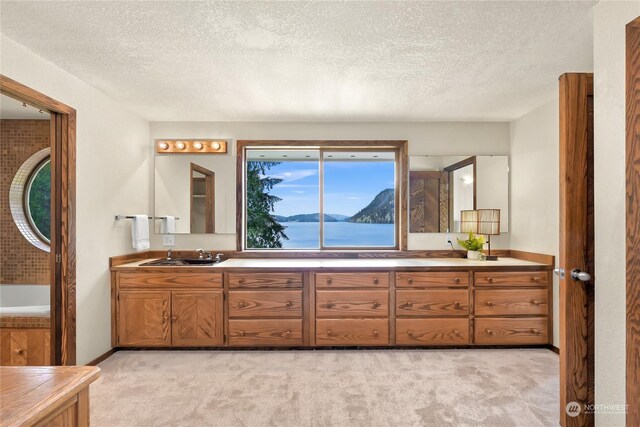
163, 145
215, 145
197, 145
180, 145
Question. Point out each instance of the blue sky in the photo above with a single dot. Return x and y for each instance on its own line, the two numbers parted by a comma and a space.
349, 186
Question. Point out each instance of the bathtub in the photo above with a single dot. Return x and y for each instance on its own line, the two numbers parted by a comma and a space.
25, 300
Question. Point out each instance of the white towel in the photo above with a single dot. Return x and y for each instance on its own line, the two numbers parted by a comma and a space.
140, 232
168, 225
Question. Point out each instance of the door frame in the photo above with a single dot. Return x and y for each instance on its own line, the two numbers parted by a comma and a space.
63, 217
576, 248
633, 220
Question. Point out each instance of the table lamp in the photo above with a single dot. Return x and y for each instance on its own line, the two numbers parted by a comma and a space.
489, 225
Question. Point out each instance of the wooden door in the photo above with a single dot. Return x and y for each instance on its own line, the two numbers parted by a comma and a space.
143, 318
197, 318
428, 212
633, 220
576, 249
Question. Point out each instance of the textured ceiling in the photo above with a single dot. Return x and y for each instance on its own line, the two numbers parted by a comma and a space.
316, 61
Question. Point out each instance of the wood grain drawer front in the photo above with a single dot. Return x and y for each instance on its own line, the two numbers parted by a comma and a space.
432, 331
511, 331
265, 332
352, 332
509, 302
175, 280
432, 302
265, 304
371, 303
530, 278
265, 280
352, 280
432, 279
25, 347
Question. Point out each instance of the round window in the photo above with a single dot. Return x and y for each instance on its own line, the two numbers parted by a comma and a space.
30, 199
37, 204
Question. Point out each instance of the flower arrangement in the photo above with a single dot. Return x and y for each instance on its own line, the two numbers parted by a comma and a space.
473, 243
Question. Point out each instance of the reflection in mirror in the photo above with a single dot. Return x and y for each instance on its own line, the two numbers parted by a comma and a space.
442, 186
198, 190
202, 200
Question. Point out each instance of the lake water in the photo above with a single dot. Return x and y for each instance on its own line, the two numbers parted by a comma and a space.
306, 235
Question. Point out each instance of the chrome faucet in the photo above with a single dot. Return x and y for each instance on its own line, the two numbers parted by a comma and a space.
202, 253
169, 253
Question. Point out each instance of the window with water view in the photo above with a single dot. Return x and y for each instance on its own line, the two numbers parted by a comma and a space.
320, 199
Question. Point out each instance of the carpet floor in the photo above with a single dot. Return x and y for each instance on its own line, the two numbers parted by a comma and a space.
471, 387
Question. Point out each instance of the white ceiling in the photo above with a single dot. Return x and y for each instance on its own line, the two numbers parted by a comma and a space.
11, 108
313, 61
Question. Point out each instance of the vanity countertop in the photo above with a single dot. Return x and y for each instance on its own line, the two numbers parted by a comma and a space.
361, 263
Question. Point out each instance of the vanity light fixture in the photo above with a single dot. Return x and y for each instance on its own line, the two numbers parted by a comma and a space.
191, 146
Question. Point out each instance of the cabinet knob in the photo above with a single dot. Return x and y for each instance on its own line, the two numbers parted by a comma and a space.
534, 331
456, 332
376, 281
289, 304
18, 351
410, 333
534, 302
241, 281
329, 281
490, 279
166, 317
376, 304
287, 333
409, 280
489, 303
456, 304
457, 280
174, 318
241, 333
329, 332
535, 278
489, 331
289, 281
375, 332
330, 305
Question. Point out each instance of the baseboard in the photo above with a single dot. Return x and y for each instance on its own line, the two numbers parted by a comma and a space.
553, 348
102, 357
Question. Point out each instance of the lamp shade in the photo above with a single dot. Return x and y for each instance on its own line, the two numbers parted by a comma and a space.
468, 221
488, 221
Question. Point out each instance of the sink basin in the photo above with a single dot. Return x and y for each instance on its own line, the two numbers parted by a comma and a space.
180, 261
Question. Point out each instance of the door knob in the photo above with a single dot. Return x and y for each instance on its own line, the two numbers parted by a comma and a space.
559, 272
582, 276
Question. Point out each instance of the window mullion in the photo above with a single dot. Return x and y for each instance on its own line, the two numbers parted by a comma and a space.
321, 195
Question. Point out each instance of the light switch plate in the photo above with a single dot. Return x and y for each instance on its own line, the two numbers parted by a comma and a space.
168, 240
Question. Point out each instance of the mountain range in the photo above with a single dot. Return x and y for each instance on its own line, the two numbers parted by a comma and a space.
379, 211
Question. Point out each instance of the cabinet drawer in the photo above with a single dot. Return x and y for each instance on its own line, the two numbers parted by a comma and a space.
531, 330
432, 331
265, 332
509, 302
432, 302
352, 280
177, 280
531, 278
432, 279
265, 304
25, 347
372, 303
352, 332
265, 280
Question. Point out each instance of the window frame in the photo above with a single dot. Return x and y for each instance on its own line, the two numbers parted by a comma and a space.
26, 199
401, 185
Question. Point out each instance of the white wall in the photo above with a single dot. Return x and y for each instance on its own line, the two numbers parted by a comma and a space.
535, 206
610, 19
447, 138
112, 178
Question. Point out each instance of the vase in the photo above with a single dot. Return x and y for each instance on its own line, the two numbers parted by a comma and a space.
474, 255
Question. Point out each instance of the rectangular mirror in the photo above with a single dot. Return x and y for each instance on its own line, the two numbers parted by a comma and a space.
440, 187
197, 190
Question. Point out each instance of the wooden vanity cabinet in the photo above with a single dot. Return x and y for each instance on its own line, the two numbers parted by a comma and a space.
168, 309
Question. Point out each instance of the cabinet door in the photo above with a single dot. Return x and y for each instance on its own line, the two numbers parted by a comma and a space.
196, 318
143, 318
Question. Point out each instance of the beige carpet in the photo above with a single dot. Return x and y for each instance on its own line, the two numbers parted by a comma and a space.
328, 388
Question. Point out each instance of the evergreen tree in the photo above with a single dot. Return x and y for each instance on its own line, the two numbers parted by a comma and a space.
263, 231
